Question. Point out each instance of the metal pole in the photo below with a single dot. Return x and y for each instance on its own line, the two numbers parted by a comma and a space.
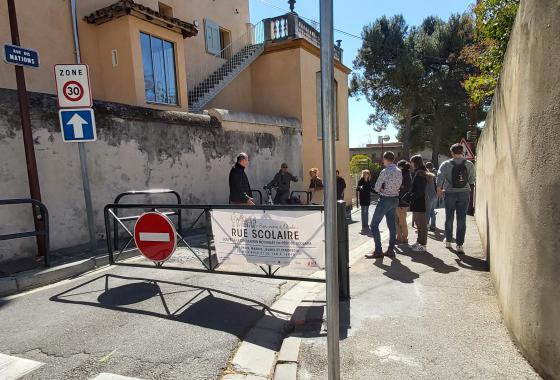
331, 239
82, 149
32, 175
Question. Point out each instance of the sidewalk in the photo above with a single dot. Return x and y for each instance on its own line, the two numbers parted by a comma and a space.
421, 315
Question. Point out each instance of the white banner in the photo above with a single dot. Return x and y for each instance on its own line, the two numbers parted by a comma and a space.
270, 237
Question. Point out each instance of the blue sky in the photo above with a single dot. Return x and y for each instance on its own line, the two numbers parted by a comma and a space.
350, 16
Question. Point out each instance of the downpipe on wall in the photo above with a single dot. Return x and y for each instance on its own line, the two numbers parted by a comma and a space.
81, 147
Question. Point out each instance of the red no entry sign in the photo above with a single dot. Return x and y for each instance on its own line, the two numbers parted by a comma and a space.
155, 236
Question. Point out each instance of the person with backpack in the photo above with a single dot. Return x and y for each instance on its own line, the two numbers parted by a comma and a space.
422, 180
454, 180
402, 210
363, 195
431, 197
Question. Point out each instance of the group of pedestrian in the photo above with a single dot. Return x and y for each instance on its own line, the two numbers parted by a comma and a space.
415, 187
240, 189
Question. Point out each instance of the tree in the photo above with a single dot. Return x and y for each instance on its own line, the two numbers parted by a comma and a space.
389, 75
493, 25
445, 103
361, 162
413, 77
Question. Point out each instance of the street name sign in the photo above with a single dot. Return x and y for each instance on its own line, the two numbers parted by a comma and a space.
72, 86
17, 55
77, 125
155, 236
270, 237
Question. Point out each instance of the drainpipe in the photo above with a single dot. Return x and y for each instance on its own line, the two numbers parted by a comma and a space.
82, 149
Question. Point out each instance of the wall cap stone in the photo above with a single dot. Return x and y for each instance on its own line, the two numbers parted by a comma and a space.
253, 118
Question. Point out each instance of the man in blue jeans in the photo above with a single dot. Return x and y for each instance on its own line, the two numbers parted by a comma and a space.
388, 185
454, 181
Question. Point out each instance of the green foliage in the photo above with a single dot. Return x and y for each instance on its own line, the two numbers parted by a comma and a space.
361, 162
412, 77
493, 25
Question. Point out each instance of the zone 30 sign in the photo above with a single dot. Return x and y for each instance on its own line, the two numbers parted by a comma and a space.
72, 85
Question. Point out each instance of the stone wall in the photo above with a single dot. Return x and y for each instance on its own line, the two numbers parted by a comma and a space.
518, 199
137, 148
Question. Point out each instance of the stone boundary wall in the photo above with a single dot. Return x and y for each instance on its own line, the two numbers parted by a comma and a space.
518, 184
137, 148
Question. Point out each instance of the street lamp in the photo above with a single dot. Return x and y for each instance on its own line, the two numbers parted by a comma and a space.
383, 139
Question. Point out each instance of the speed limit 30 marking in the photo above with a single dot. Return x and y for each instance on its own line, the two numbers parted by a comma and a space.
73, 91
72, 86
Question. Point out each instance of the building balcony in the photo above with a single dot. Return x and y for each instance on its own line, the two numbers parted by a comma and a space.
290, 27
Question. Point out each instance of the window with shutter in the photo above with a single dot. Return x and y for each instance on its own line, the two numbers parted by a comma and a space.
212, 36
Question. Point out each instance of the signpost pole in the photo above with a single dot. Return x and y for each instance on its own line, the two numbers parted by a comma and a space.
32, 175
82, 149
331, 239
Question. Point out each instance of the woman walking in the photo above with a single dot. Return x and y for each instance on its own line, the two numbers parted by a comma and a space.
402, 227
363, 195
418, 201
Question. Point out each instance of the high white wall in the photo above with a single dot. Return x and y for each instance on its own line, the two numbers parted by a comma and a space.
517, 198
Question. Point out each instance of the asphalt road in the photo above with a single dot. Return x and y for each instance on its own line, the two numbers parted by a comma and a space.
137, 322
431, 315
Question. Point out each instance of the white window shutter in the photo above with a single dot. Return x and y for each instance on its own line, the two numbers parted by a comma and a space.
212, 36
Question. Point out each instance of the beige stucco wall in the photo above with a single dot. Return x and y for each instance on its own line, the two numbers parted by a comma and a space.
312, 146
282, 82
46, 27
517, 199
52, 38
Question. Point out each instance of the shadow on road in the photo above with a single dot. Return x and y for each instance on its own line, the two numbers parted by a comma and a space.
195, 305
426, 258
311, 316
397, 271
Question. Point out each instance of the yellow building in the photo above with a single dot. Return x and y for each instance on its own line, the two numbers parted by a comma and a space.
187, 55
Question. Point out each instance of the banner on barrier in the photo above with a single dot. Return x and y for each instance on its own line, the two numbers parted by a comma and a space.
270, 237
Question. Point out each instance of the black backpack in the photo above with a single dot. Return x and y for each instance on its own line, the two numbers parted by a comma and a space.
459, 175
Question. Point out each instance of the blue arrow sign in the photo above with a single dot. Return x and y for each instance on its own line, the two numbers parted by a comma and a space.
77, 125
17, 55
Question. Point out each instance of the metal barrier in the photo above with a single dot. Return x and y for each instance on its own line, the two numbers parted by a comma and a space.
134, 217
207, 263
307, 195
43, 212
253, 191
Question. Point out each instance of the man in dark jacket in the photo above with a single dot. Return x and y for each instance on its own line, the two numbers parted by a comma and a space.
282, 181
239, 187
340, 186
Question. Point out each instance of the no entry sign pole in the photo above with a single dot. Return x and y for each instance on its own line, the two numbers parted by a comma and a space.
82, 149
32, 174
331, 239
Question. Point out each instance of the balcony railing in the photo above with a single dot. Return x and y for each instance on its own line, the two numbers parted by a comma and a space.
291, 26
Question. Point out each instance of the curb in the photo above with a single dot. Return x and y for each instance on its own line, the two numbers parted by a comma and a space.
31, 279
268, 352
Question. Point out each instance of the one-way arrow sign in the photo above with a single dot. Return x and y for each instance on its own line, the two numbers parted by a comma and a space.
77, 125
